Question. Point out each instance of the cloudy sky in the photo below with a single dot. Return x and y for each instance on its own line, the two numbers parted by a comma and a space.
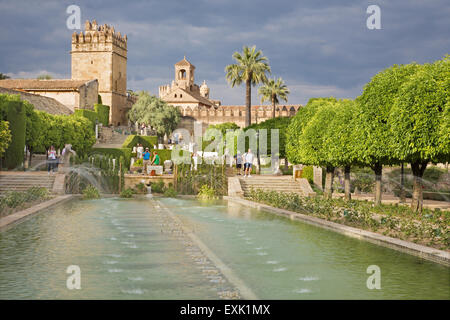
319, 47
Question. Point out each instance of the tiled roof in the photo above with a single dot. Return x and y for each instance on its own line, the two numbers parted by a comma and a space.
40, 103
29, 84
184, 62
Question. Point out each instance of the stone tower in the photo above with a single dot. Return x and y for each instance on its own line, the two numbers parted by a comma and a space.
184, 74
101, 53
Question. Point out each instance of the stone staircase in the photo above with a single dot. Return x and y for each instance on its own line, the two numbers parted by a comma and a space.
276, 183
111, 140
21, 181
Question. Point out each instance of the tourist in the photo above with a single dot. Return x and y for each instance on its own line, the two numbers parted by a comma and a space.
238, 158
156, 159
140, 150
51, 160
146, 157
248, 160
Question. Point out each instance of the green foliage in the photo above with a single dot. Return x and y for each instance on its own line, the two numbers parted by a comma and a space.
430, 229
206, 193
189, 181
127, 193
14, 199
5, 136
116, 153
363, 179
272, 91
418, 113
138, 163
308, 173
223, 127
294, 135
164, 154
158, 187
102, 113
44, 77
12, 109
251, 67
153, 111
141, 188
90, 192
89, 114
280, 123
146, 141
170, 192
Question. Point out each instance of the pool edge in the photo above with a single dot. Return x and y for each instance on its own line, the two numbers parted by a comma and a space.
424, 252
15, 218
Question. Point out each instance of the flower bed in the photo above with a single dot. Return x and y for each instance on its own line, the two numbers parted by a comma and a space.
431, 228
14, 201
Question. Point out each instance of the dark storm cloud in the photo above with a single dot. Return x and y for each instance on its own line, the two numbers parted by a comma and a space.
320, 48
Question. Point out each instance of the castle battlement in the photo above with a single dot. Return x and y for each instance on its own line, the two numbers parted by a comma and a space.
102, 35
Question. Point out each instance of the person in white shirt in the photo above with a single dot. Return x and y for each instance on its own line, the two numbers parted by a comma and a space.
248, 160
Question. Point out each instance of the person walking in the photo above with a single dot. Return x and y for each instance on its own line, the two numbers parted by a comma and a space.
238, 158
51, 160
248, 160
146, 159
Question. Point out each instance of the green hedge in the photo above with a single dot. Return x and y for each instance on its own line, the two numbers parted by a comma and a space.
308, 173
12, 109
102, 113
115, 153
146, 141
89, 114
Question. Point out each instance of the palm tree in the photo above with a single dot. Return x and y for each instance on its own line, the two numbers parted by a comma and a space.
272, 91
251, 68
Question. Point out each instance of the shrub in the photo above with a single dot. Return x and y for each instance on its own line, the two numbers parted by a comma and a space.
127, 193
90, 192
158, 187
146, 141
138, 163
206, 192
170, 192
308, 173
102, 113
89, 114
141, 188
116, 153
12, 109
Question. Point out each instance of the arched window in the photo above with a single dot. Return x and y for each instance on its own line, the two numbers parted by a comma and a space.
175, 95
182, 74
181, 96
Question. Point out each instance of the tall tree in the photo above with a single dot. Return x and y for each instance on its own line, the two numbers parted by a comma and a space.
150, 110
418, 120
273, 91
3, 76
374, 105
44, 77
250, 67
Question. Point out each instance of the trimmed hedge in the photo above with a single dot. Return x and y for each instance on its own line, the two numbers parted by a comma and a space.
146, 141
12, 109
116, 153
164, 154
308, 173
102, 113
89, 114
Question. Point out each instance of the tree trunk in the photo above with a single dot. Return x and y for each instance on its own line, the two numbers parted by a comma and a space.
402, 185
248, 102
418, 168
347, 187
329, 183
273, 107
378, 169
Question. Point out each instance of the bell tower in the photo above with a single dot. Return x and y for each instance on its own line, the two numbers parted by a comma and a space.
184, 74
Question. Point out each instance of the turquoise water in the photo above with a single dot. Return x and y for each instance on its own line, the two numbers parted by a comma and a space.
131, 249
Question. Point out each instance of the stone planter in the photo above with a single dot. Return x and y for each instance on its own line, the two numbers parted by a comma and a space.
134, 169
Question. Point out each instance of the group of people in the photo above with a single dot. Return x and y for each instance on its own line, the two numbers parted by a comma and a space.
146, 155
247, 159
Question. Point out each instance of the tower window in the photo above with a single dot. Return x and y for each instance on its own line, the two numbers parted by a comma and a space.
181, 96
182, 74
175, 95
92, 61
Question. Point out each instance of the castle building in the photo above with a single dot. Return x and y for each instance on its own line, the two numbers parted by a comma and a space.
99, 67
195, 104
101, 53
183, 92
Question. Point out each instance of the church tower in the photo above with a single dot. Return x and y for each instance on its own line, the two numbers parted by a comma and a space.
184, 74
101, 53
